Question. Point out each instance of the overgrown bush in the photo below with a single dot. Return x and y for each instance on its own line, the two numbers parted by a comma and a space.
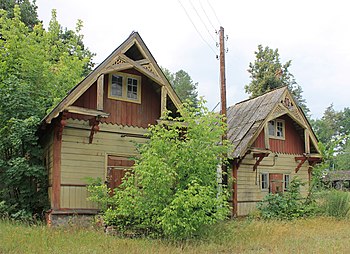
287, 205
173, 188
335, 203
37, 68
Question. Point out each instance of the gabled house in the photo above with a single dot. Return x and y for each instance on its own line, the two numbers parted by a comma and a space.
272, 142
92, 131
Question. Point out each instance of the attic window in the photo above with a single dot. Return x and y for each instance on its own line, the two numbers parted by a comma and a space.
125, 87
276, 129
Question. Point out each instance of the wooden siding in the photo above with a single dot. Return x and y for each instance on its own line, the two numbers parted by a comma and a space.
75, 197
81, 159
292, 144
124, 112
248, 183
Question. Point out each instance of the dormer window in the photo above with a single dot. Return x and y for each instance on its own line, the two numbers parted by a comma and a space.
125, 87
276, 129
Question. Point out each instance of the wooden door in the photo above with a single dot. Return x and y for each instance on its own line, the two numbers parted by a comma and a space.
276, 183
116, 168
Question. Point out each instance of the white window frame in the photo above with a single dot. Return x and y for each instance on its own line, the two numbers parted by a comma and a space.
125, 84
285, 182
264, 188
276, 123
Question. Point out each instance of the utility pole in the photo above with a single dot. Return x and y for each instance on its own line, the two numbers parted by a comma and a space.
223, 94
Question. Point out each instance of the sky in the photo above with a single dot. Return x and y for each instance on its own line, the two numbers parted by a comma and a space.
180, 34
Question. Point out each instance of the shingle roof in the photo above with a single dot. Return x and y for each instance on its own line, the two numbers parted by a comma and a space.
245, 118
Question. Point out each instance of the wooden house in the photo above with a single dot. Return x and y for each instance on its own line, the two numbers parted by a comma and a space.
272, 142
92, 131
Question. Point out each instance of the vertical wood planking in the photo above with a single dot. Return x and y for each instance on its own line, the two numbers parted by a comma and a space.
307, 140
100, 82
266, 136
235, 190
292, 144
123, 112
163, 100
56, 170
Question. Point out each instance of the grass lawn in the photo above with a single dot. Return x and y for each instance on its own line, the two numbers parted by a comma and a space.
316, 235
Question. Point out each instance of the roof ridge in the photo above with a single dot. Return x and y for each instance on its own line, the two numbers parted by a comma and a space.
273, 90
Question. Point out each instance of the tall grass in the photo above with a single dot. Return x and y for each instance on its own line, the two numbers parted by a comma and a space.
335, 203
316, 235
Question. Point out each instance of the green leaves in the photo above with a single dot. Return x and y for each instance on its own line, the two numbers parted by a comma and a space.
191, 209
37, 68
174, 190
288, 205
183, 85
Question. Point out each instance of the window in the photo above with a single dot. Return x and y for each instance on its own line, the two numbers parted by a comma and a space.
276, 128
286, 181
264, 181
272, 128
117, 86
132, 88
124, 86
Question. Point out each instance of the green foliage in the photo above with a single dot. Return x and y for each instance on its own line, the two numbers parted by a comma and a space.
29, 15
335, 203
183, 85
287, 205
328, 127
333, 130
37, 68
173, 190
267, 73
191, 209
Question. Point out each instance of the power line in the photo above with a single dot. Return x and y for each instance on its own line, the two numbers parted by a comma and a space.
214, 12
196, 28
200, 18
200, 2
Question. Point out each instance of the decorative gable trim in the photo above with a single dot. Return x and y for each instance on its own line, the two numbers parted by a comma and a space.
118, 61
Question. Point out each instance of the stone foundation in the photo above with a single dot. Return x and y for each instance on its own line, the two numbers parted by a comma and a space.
76, 218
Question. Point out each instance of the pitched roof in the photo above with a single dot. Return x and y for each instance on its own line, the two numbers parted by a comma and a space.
246, 119
132, 53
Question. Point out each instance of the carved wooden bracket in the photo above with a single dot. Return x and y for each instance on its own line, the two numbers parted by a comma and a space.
302, 160
60, 126
312, 161
260, 157
94, 122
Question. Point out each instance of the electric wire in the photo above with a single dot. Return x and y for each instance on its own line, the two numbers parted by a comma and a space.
183, 7
200, 18
205, 13
214, 12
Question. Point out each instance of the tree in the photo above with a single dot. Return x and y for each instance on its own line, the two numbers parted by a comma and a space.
343, 157
36, 70
173, 189
29, 15
183, 85
267, 73
328, 127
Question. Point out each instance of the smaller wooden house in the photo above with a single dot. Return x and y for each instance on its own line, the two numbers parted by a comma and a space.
92, 131
272, 142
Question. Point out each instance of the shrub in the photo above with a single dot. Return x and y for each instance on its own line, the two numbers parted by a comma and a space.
173, 189
287, 205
